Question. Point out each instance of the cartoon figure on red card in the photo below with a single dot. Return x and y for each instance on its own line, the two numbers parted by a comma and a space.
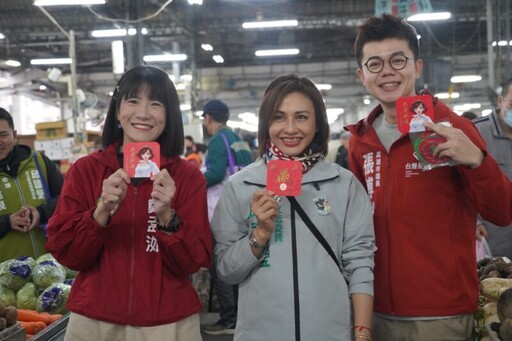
145, 168
412, 112
418, 118
142, 159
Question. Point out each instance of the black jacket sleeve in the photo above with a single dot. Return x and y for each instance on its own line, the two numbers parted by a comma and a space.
54, 179
5, 224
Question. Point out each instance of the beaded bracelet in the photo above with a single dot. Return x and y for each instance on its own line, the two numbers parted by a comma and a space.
363, 337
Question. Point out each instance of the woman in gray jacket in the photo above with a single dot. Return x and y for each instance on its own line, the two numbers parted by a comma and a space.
297, 279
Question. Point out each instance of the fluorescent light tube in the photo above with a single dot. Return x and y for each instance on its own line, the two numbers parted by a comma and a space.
218, 59
465, 79
13, 63
270, 24
179, 57
117, 57
207, 47
68, 2
50, 61
446, 95
2, 36
323, 86
279, 52
430, 16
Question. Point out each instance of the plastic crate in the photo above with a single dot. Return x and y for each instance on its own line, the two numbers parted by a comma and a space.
13, 333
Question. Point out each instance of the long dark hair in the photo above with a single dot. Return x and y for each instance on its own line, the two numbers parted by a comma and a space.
276, 91
159, 88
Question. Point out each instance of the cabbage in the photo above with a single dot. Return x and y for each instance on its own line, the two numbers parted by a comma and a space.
54, 298
45, 257
48, 272
27, 260
7, 296
14, 274
26, 297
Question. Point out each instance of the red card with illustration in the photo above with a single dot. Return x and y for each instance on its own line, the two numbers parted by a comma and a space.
412, 112
284, 177
141, 159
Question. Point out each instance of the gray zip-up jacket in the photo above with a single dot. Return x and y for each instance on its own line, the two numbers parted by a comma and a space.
339, 207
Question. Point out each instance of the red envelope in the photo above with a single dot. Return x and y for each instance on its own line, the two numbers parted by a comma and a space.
412, 112
284, 178
141, 159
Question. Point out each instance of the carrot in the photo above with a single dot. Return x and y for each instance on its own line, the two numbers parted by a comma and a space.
32, 327
28, 315
51, 317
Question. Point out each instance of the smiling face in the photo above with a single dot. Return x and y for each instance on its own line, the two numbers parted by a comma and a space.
420, 109
7, 139
389, 84
293, 127
142, 119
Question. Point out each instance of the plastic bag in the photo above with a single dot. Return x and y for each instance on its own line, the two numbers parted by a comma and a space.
482, 249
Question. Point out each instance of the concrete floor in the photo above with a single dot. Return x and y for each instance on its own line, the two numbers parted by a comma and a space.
210, 318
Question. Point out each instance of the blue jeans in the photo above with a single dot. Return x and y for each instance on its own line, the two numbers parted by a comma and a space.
227, 295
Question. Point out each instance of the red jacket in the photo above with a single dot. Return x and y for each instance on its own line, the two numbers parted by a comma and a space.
425, 263
129, 272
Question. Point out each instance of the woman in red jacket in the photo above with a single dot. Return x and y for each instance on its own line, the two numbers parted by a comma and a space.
134, 241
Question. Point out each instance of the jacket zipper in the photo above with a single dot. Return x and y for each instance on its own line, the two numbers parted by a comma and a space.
132, 256
30, 233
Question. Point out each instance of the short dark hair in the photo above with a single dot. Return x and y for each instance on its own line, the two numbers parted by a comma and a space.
159, 88
4, 115
469, 115
143, 150
190, 138
505, 87
274, 95
385, 27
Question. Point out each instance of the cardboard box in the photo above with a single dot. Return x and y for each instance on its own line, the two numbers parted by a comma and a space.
51, 130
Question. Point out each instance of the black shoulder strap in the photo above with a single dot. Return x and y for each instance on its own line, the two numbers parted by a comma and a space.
314, 230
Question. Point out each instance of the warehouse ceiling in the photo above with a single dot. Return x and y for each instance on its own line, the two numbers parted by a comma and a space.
324, 36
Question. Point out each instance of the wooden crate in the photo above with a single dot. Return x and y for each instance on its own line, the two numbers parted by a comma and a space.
51, 130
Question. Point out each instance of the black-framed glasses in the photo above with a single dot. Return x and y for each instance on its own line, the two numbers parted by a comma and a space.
376, 64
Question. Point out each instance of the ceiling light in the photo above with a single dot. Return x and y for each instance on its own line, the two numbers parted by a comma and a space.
430, 16
13, 63
117, 32
117, 57
185, 107
50, 61
279, 52
218, 59
2, 36
179, 57
207, 47
466, 106
68, 2
323, 86
446, 95
270, 24
465, 79
195, 2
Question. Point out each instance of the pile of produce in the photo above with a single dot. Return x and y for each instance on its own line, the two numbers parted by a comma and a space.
32, 321
41, 285
494, 316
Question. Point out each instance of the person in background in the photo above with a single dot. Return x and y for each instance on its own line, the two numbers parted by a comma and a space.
290, 287
469, 115
425, 282
496, 130
216, 115
31, 185
342, 154
191, 152
134, 241
332, 147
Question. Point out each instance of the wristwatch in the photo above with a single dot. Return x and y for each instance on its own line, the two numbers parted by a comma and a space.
172, 225
254, 243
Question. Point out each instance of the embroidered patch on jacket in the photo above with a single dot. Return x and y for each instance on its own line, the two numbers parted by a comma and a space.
322, 205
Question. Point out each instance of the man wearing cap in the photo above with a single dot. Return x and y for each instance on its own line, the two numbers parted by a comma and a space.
216, 115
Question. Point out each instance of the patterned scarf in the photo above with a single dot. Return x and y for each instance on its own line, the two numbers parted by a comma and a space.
308, 158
